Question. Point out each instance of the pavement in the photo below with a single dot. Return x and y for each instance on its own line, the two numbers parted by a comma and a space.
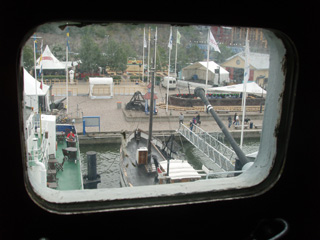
113, 119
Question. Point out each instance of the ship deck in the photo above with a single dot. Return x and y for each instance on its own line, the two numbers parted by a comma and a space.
70, 178
137, 175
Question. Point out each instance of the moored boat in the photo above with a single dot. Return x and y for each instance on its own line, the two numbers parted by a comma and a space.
145, 160
53, 155
136, 169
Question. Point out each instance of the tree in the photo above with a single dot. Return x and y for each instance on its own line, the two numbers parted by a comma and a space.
194, 54
28, 60
59, 52
89, 54
116, 55
226, 52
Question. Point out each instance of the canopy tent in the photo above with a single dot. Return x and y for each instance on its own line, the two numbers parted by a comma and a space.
100, 81
49, 61
198, 71
252, 88
32, 91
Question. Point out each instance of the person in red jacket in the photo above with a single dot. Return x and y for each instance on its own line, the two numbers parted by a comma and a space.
70, 136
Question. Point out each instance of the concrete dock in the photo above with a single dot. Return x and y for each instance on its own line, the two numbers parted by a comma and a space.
113, 120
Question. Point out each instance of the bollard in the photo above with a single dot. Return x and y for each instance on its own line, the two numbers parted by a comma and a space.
91, 180
119, 105
92, 165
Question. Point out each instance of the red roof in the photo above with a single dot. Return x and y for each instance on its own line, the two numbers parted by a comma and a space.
148, 96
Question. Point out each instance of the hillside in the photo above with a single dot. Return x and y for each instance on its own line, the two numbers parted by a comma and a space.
130, 34
117, 42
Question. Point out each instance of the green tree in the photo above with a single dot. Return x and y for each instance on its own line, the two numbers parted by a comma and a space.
194, 54
89, 54
59, 52
28, 60
226, 52
116, 54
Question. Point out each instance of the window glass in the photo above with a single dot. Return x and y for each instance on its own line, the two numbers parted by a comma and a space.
93, 99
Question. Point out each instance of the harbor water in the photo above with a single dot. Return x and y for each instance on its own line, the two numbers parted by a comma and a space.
108, 159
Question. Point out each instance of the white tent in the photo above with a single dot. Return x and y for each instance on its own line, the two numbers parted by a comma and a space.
49, 61
100, 81
32, 91
252, 88
199, 69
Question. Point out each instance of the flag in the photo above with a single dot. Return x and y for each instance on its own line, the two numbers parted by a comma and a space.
41, 84
144, 38
170, 39
247, 63
68, 39
35, 43
212, 42
40, 72
178, 37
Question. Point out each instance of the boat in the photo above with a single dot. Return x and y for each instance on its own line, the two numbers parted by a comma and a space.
53, 154
162, 167
146, 160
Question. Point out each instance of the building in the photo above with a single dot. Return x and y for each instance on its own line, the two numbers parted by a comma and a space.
259, 68
235, 37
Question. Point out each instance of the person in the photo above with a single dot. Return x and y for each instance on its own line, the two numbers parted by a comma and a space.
70, 136
194, 120
198, 119
237, 120
191, 125
181, 117
230, 121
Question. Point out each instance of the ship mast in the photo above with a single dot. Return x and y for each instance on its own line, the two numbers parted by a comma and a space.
152, 101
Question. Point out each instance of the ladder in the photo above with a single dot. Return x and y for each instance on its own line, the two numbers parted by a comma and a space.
210, 146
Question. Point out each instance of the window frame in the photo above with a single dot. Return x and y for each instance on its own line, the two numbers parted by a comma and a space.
145, 197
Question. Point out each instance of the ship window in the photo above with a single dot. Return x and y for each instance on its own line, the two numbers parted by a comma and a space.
88, 144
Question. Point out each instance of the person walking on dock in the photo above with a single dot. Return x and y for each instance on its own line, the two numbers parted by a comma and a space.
198, 119
229, 121
191, 125
181, 117
236, 119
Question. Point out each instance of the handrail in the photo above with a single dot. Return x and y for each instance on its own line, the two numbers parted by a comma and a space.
206, 148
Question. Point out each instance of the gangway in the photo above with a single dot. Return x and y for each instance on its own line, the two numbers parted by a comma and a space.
218, 152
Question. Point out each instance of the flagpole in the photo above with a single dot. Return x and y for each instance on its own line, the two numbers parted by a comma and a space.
148, 52
245, 80
155, 50
144, 38
175, 64
168, 81
67, 106
67, 80
207, 71
35, 69
41, 63
170, 47
211, 42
